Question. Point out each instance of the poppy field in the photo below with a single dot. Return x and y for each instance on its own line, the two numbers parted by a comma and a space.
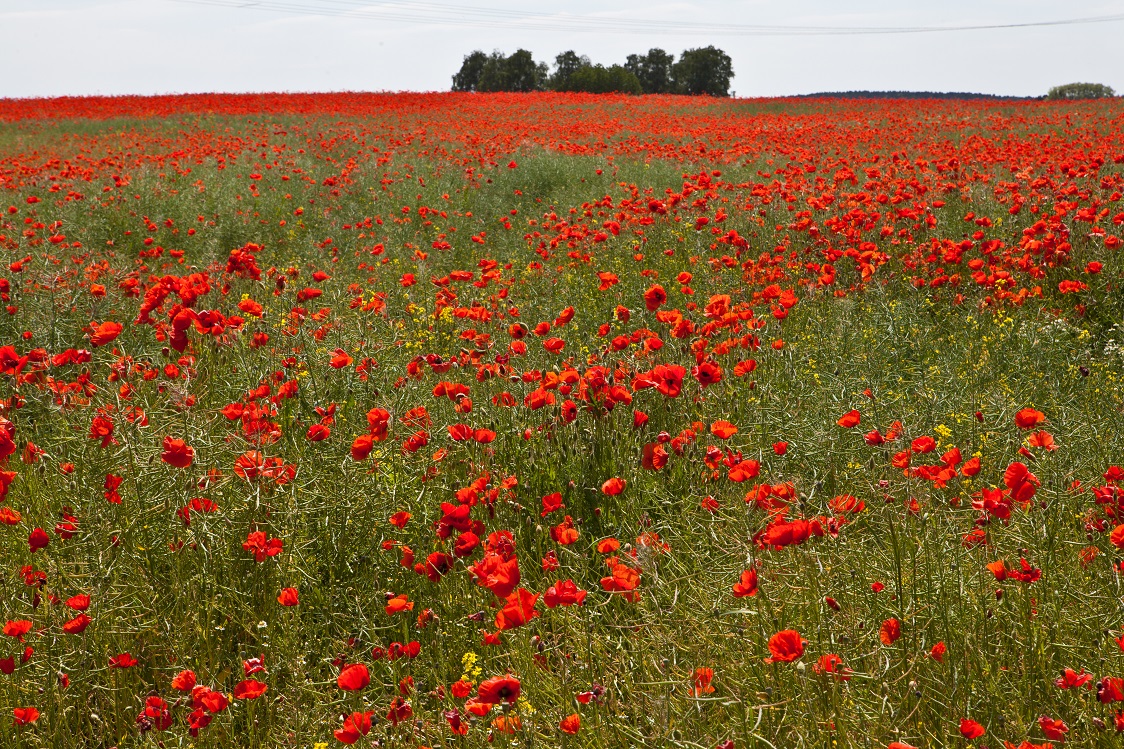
453, 420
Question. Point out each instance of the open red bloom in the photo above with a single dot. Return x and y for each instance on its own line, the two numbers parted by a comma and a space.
1053, 728
498, 689
24, 715
970, 729
747, 586
262, 546
785, 646
353, 677
519, 608
613, 486
124, 660
177, 453
105, 333
890, 631
355, 726
654, 297
571, 724
1028, 418
184, 681
249, 689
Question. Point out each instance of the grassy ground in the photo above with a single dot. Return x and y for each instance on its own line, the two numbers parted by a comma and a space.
557, 190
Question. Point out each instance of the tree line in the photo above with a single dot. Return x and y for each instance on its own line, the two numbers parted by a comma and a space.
1080, 91
702, 71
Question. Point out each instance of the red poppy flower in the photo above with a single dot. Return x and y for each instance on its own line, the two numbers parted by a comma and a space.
77, 625
22, 716
318, 433
1028, 418
177, 453
105, 333
850, 419
124, 660
498, 689
702, 679
353, 677
747, 586
831, 664
519, 608
890, 631
970, 729
340, 359
571, 724
355, 726
723, 430
38, 539
564, 593
184, 681
17, 628
249, 689
654, 297
613, 486
362, 447
399, 604
785, 646
262, 546
288, 597
1053, 728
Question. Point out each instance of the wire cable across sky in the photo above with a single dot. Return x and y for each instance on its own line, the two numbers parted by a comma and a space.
455, 15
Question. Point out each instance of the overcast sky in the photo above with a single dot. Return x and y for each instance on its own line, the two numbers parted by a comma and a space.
58, 47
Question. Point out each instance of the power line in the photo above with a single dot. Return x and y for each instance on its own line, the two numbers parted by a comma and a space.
447, 14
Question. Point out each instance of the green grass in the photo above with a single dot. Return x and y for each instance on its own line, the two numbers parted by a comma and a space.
180, 597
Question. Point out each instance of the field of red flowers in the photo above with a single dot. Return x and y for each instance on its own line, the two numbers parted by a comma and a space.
559, 420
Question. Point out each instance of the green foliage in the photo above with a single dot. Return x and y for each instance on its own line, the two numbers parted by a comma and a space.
565, 65
653, 70
597, 79
468, 77
707, 70
704, 71
1080, 91
497, 72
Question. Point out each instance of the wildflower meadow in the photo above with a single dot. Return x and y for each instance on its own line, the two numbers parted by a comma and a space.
561, 420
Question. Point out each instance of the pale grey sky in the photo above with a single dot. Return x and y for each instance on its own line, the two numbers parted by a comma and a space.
57, 47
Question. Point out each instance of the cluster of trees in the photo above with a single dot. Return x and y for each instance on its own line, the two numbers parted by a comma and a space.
703, 71
1080, 91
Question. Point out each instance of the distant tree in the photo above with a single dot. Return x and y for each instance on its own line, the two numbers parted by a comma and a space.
653, 70
518, 72
703, 71
524, 74
1080, 91
468, 77
598, 79
565, 65
493, 75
